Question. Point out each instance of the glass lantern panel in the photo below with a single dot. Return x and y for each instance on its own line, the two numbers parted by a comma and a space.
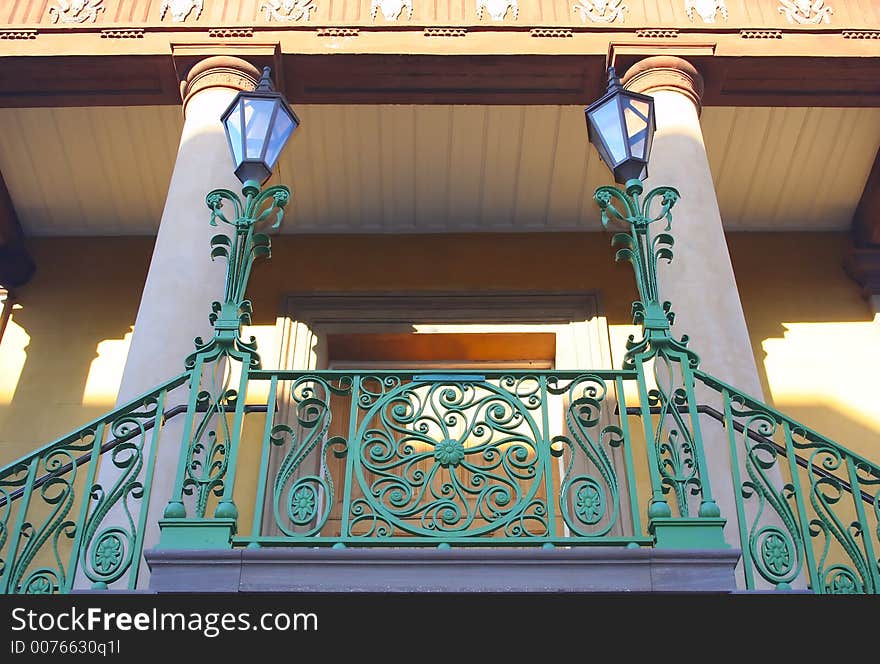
606, 121
635, 113
281, 131
257, 115
233, 133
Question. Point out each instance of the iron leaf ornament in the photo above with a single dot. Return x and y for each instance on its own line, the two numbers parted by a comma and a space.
644, 252
240, 250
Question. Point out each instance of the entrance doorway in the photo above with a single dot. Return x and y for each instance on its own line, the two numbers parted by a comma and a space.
440, 416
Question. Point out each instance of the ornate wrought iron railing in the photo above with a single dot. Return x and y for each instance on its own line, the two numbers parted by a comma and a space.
71, 513
525, 458
392, 458
808, 509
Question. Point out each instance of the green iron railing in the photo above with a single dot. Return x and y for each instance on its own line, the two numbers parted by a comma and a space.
391, 458
73, 508
808, 509
396, 458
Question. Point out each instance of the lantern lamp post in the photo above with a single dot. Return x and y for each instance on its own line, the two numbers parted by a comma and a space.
258, 125
621, 126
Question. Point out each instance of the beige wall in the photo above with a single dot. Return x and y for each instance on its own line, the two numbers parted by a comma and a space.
81, 303
816, 341
62, 354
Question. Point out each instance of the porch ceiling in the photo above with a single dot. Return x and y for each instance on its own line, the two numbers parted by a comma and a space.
372, 168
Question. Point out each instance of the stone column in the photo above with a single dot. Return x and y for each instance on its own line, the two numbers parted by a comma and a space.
183, 280
700, 282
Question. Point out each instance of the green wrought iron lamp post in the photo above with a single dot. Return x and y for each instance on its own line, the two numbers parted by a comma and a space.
621, 126
258, 125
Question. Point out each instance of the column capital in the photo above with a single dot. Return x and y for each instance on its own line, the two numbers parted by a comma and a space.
220, 71
665, 72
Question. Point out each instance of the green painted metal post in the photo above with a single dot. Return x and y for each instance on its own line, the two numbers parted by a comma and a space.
872, 580
266, 444
208, 464
675, 451
84, 508
548, 460
7, 582
628, 459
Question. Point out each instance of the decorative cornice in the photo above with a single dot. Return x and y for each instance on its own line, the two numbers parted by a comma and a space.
708, 10
219, 71
551, 32
498, 10
224, 33
85, 11
338, 32
710, 16
130, 33
600, 11
760, 34
665, 72
181, 10
18, 34
657, 33
445, 32
861, 34
391, 10
805, 13
287, 10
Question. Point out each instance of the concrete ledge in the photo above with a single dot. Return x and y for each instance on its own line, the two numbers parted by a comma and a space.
437, 570
194, 570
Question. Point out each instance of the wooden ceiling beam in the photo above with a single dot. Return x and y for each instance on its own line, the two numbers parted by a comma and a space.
371, 78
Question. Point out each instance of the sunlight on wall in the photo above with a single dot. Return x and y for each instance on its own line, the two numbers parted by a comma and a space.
12, 358
105, 372
267, 347
835, 365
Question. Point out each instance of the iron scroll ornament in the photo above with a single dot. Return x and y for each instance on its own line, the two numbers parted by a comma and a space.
453, 458
678, 462
211, 444
644, 253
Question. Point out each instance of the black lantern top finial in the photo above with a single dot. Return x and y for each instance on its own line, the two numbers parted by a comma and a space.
265, 84
613, 81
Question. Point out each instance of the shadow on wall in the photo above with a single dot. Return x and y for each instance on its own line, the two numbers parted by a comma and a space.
84, 295
816, 341
455, 262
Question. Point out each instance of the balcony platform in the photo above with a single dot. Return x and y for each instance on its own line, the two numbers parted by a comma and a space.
584, 569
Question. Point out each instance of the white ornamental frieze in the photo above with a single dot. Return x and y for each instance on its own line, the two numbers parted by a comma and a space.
391, 9
601, 11
497, 9
287, 10
806, 11
76, 11
181, 9
707, 9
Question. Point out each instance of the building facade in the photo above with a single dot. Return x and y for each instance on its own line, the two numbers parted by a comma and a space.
448, 377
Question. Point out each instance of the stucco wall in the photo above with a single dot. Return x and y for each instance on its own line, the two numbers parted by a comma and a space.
817, 346
62, 353
815, 338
